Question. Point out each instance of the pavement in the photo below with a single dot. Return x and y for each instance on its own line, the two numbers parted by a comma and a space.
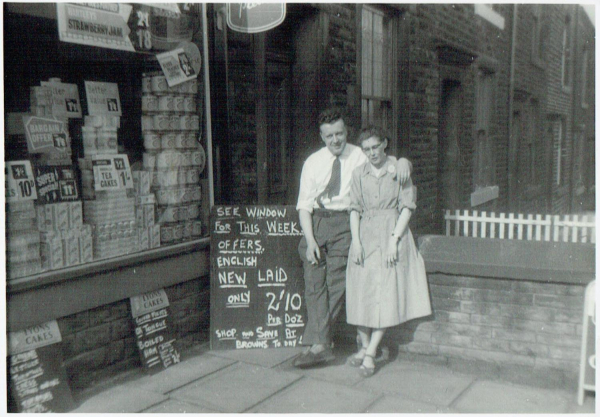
265, 381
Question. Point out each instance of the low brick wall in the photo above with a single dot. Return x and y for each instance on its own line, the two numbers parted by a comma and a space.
100, 343
535, 324
512, 304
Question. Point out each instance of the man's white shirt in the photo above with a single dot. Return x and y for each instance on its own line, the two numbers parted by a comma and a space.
316, 173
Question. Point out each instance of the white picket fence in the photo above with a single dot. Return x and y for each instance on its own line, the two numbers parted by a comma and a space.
549, 228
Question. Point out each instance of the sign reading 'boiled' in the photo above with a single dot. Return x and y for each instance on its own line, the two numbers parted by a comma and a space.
254, 17
257, 283
153, 330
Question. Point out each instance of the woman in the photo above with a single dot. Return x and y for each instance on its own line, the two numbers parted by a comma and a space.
385, 279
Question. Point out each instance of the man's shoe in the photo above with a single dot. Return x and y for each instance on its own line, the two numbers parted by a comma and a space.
310, 359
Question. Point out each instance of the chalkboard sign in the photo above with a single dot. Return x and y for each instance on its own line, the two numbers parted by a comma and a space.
37, 378
257, 280
156, 342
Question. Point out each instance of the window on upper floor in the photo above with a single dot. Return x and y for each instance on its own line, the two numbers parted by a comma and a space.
536, 34
584, 78
567, 55
378, 66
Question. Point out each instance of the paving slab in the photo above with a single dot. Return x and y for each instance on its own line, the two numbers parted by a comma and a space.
181, 374
174, 406
497, 397
313, 396
263, 357
120, 400
335, 371
235, 388
397, 404
429, 385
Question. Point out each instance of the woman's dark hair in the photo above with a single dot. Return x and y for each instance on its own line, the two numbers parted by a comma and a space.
331, 115
371, 131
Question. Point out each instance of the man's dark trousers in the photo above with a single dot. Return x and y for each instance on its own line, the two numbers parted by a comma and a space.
325, 282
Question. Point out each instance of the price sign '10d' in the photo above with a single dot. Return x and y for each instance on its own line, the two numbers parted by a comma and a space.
257, 280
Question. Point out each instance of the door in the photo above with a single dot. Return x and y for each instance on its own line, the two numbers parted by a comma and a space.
278, 130
449, 147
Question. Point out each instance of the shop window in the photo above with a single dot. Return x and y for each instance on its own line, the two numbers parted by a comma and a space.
378, 67
484, 169
566, 56
103, 157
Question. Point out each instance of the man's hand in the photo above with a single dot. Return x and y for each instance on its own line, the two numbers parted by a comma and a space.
357, 254
313, 254
404, 170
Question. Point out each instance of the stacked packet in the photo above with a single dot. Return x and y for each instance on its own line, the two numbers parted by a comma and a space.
22, 240
174, 157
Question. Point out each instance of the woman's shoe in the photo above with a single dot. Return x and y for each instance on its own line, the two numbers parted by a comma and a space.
354, 361
367, 371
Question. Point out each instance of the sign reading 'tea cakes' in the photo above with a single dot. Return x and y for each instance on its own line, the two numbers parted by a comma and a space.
153, 331
111, 172
37, 377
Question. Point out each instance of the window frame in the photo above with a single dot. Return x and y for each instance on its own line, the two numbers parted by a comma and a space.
392, 73
566, 70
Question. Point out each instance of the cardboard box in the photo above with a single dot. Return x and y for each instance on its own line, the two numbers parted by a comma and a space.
52, 254
75, 214
71, 251
141, 182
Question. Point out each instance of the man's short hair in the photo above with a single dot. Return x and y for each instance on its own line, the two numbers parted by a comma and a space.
331, 115
371, 131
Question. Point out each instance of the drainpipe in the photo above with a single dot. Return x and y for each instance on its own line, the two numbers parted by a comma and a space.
512, 143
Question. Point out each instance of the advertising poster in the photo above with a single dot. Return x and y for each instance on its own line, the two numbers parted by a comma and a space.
155, 339
37, 378
257, 279
111, 172
181, 64
20, 183
102, 98
55, 184
65, 99
45, 135
95, 24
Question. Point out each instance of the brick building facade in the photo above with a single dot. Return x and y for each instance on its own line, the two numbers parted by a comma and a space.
474, 95
478, 97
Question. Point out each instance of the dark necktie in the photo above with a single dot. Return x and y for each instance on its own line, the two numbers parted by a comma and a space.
333, 187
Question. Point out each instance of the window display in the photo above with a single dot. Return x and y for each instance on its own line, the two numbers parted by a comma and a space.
84, 189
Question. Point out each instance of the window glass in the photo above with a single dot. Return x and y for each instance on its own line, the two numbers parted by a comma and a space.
377, 68
103, 157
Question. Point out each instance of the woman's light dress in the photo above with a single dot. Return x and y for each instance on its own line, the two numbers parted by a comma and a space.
378, 296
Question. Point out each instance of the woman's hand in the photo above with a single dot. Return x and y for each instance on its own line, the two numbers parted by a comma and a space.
404, 170
392, 252
357, 254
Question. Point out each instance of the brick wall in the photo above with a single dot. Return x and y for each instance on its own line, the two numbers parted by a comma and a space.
457, 27
533, 325
99, 343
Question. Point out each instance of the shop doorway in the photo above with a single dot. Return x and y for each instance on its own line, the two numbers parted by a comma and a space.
449, 146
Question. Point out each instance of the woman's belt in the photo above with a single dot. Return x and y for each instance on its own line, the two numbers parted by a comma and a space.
330, 213
379, 212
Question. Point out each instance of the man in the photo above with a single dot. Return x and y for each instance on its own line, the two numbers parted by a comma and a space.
323, 203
